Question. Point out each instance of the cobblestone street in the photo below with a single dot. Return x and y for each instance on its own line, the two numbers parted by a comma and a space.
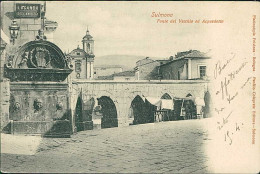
166, 147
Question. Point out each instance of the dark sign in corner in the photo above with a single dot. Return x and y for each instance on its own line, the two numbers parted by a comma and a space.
23, 10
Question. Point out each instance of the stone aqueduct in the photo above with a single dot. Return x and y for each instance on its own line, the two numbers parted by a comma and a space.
41, 99
121, 94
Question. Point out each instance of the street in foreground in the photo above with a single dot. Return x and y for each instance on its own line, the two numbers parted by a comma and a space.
165, 147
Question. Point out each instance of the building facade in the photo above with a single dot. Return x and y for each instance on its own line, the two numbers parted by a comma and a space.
186, 66
83, 59
147, 69
30, 18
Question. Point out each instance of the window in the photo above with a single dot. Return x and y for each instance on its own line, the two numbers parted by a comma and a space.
78, 54
88, 47
77, 66
202, 71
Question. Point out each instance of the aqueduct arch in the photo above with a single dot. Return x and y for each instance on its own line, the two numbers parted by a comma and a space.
123, 97
138, 110
166, 96
109, 112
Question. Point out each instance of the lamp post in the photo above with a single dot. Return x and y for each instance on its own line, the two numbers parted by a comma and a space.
14, 28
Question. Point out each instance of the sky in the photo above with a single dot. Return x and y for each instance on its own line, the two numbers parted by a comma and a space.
127, 27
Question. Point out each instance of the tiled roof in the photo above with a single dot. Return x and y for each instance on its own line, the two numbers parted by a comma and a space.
187, 54
180, 54
163, 61
148, 60
78, 50
191, 54
87, 36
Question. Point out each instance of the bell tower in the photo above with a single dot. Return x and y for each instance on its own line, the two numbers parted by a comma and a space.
88, 43
88, 47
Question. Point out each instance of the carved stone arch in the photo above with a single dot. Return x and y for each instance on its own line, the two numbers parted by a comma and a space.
38, 61
52, 53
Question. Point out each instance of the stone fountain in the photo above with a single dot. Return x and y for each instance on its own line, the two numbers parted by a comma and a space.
39, 99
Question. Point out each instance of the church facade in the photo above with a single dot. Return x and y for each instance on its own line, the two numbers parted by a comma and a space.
82, 60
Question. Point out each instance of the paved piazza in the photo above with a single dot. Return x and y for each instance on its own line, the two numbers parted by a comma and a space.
165, 147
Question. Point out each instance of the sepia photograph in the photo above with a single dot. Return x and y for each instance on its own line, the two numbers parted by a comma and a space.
129, 87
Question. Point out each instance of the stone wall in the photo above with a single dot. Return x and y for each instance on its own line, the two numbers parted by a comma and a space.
148, 71
4, 103
170, 70
195, 63
39, 108
39, 101
2, 61
123, 93
28, 27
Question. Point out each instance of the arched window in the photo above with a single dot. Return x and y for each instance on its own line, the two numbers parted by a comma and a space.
88, 47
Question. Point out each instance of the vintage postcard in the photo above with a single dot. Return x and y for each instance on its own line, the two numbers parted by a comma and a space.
130, 87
